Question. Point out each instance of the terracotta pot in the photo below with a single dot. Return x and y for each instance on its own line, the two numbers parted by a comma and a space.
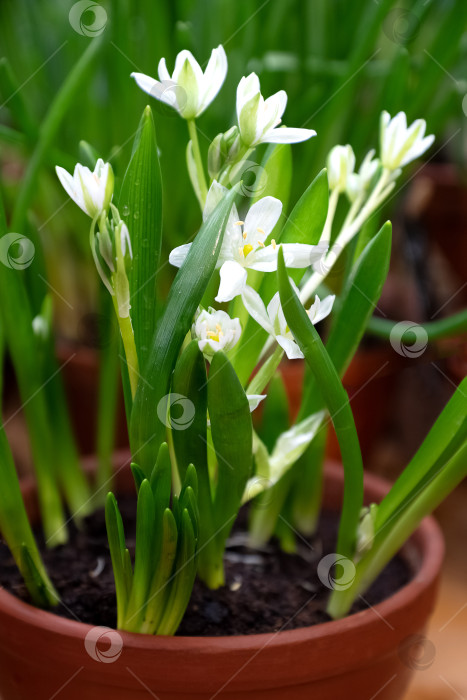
80, 369
369, 382
43, 656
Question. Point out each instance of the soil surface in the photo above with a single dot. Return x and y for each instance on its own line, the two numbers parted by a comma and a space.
266, 590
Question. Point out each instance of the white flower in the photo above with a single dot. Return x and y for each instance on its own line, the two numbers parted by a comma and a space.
188, 90
341, 163
401, 144
254, 400
273, 321
215, 330
92, 191
358, 183
258, 118
244, 246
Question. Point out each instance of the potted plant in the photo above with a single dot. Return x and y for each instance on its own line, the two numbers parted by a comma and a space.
190, 386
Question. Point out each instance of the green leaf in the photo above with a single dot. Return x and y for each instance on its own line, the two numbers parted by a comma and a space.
144, 553
337, 402
232, 436
445, 437
40, 589
138, 475
116, 538
147, 427
161, 583
190, 382
161, 479
23, 347
140, 205
356, 305
17, 532
184, 576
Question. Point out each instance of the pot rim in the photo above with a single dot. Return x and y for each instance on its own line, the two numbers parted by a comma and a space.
427, 539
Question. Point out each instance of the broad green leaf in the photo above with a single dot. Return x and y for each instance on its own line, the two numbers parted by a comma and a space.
140, 206
190, 383
337, 402
161, 583
144, 553
148, 426
184, 576
232, 436
161, 479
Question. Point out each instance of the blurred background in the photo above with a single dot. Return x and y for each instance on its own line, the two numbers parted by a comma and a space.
341, 64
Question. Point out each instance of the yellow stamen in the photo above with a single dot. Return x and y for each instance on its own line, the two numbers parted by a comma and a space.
247, 249
261, 244
274, 244
213, 336
245, 235
260, 230
240, 251
239, 223
219, 330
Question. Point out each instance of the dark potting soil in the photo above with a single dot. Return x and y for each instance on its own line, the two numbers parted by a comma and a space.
266, 589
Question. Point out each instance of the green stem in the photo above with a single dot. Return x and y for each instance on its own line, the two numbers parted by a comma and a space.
198, 160
265, 374
128, 338
337, 402
435, 330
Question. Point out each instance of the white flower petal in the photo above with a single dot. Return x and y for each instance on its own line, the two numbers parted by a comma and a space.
70, 186
290, 347
233, 280
254, 400
264, 215
214, 77
298, 255
255, 307
247, 88
287, 134
178, 255
163, 73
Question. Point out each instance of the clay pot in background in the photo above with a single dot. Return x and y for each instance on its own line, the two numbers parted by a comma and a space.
365, 655
444, 217
80, 370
